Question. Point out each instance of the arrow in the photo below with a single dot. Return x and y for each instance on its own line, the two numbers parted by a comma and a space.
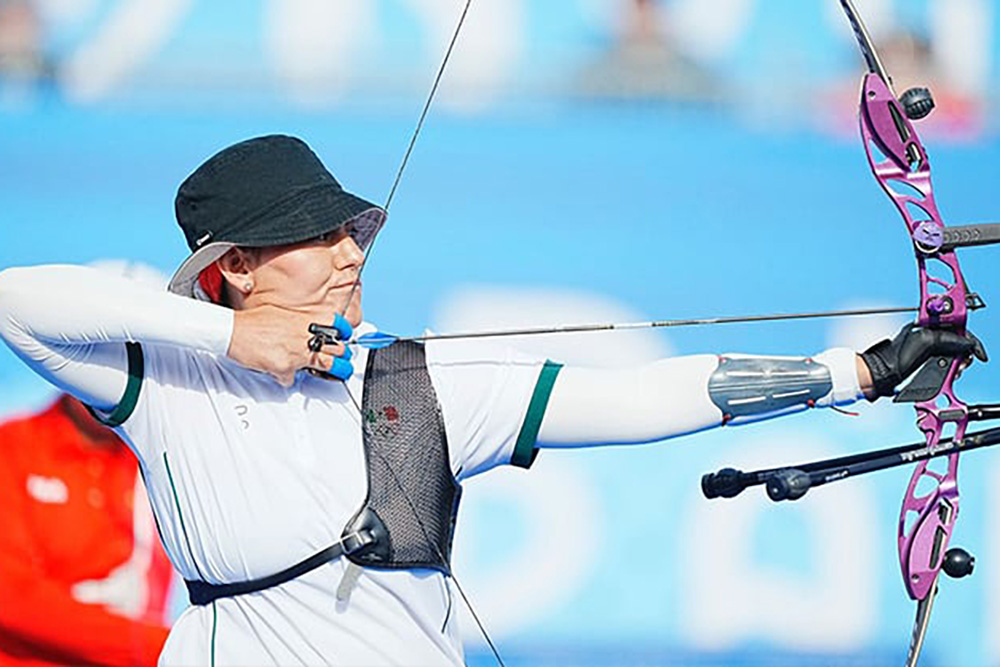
380, 339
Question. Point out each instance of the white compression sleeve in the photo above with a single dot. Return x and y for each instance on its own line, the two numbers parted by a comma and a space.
69, 323
660, 400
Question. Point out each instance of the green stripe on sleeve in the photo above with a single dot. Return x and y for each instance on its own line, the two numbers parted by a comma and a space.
136, 371
215, 625
524, 449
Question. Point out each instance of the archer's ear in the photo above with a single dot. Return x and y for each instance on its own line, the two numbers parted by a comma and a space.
237, 267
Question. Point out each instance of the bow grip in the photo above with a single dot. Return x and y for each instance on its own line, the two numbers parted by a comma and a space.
928, 381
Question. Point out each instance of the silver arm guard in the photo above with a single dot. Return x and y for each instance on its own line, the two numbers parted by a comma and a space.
753, 388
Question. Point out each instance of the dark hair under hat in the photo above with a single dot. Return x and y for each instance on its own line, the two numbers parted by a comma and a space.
266, 191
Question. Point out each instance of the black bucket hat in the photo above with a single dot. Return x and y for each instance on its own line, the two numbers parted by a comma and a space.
262, 192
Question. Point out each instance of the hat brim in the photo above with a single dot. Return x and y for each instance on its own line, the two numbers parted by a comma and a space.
367, 224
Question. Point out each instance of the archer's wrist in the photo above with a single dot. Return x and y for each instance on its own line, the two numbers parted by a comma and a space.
884, 378
865, 382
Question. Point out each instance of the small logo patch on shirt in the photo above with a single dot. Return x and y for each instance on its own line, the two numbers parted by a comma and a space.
241, 412
48, 489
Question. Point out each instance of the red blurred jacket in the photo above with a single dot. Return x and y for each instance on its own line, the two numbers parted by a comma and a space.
83, 579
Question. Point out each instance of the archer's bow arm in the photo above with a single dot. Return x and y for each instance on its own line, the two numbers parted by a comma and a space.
673, 397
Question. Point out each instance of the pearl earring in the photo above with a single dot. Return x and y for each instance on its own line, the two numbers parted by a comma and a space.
247, 287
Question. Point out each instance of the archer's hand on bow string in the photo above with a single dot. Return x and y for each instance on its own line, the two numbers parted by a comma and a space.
276, 341
890, 362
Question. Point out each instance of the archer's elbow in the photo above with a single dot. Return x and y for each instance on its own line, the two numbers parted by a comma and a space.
8, 288
13, 282
4, 280
15, 292
11, 286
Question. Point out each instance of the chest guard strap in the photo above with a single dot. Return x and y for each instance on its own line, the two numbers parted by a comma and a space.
413, 496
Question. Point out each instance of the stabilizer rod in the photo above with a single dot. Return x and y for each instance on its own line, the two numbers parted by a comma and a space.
966, 236
793, 482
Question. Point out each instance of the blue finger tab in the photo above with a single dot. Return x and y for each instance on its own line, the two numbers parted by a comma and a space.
347, 355
342, 369
343, 327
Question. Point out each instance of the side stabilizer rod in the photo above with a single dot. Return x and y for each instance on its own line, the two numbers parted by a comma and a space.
793, 482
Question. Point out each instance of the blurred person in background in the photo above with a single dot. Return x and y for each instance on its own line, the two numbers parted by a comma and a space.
645, 63
20, 40
83, 578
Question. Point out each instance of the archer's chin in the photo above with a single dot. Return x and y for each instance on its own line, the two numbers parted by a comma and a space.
353, 314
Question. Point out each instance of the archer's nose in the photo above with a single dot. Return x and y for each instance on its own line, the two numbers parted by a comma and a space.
347, 253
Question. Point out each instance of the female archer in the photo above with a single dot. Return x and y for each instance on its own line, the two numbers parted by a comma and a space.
313, 519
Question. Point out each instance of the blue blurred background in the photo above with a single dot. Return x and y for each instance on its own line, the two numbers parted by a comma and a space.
586, 160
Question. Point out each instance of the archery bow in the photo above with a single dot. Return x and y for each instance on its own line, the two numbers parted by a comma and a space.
900, 165
898, 158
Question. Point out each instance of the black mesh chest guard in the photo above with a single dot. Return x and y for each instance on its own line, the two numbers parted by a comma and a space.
413, 497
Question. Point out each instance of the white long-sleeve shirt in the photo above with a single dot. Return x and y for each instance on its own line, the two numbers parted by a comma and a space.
247, 477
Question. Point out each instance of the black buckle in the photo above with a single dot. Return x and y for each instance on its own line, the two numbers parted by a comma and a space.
356, 541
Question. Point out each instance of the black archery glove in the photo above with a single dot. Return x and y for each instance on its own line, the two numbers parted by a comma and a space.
892, 361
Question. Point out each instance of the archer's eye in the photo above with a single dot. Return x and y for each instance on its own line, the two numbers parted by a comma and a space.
330, 237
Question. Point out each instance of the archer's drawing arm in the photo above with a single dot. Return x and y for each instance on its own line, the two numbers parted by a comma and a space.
69, 324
